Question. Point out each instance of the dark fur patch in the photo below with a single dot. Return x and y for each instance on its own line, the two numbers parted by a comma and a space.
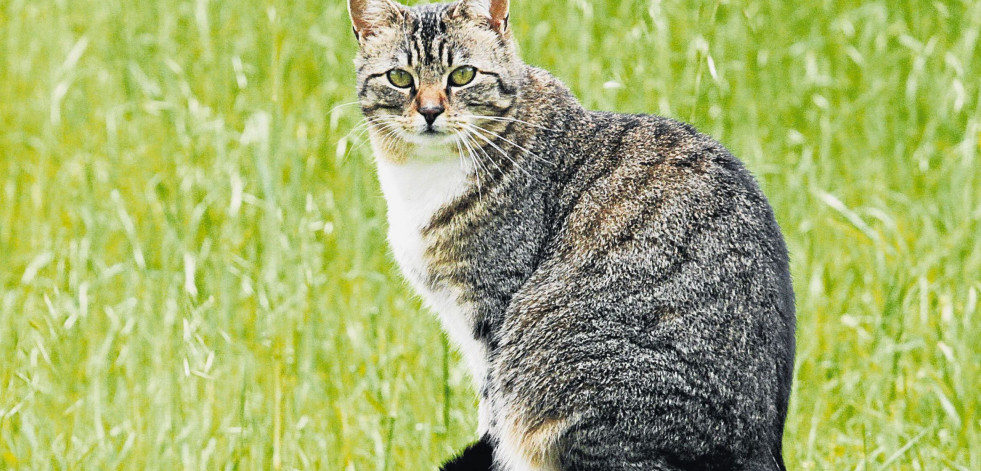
477, 457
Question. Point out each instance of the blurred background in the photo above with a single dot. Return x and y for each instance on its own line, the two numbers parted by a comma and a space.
193, 272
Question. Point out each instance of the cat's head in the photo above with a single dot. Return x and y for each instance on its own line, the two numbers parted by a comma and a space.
427, 73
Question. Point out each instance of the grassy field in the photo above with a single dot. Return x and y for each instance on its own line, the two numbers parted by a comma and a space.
193, 273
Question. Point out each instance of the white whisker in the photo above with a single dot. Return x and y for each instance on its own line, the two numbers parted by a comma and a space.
475, 161
479, 147
498, 148
342, 105
528, 152
509, 119
358, 131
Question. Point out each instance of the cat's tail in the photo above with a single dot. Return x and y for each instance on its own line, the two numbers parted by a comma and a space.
477, 457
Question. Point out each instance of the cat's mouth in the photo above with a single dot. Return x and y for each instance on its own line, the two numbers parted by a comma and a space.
431, 129
428, 136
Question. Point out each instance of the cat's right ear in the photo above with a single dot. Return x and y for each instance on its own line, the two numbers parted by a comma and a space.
368, 16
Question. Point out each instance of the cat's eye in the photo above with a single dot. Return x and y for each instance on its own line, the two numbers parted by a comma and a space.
400, 78
462, 76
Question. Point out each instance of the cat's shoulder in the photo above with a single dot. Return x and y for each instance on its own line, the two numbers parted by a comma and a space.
671, 148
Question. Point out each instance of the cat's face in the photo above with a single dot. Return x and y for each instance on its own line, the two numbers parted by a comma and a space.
427, 75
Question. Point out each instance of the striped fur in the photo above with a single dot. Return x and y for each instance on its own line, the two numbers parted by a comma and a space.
618, 283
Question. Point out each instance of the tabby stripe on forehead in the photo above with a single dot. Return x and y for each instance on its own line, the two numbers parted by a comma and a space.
408, 50
427, 37
414, 40
422, 47
429, 52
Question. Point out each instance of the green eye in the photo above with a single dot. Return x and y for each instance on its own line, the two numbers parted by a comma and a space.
400, 78
462, 76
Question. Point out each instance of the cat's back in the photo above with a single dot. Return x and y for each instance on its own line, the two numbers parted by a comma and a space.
666, 195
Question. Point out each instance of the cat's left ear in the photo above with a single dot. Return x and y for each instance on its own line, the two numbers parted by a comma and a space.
495, 11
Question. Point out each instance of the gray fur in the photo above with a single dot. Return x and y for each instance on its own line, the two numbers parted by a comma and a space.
626, 273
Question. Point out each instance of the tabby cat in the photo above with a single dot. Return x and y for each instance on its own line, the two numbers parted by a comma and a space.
617, 284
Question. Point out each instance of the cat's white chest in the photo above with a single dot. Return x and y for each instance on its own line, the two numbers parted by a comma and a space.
415, 191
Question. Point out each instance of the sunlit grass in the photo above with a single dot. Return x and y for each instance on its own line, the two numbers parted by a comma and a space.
193, 271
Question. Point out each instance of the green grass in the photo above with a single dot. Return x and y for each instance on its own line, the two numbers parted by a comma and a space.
193, 273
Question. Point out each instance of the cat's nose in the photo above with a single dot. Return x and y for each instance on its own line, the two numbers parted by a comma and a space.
431, 112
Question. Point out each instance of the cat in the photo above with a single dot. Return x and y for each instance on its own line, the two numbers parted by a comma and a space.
617, 284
